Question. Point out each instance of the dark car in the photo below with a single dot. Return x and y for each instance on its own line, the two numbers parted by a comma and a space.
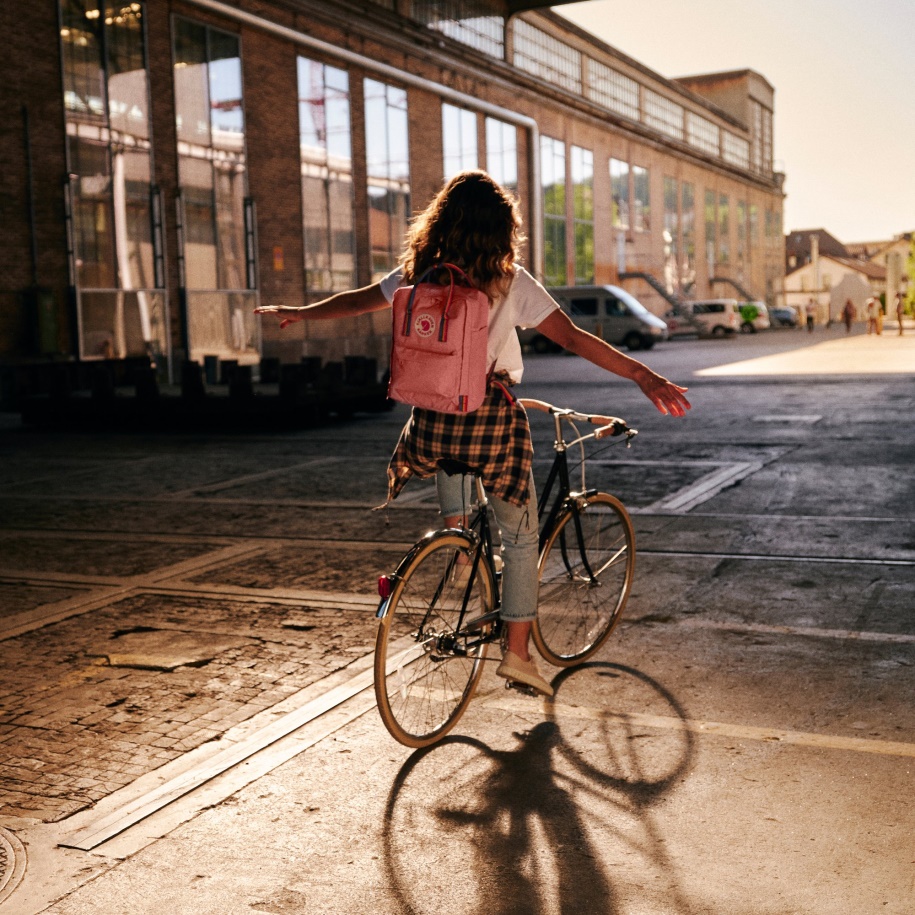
783, 316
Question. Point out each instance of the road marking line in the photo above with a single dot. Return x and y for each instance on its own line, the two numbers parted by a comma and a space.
554, 710
766, 557
788, 418
244, 479
849, 634
702, 490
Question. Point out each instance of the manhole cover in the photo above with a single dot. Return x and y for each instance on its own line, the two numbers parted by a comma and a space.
12, 864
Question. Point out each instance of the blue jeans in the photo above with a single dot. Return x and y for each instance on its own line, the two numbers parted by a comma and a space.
518, 530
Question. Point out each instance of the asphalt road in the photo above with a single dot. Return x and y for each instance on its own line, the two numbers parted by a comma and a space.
186, 718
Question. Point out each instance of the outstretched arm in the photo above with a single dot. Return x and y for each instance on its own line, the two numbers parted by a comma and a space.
342, 305
665, 395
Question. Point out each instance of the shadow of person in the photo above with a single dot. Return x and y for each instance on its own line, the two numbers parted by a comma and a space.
514, 830
533, 829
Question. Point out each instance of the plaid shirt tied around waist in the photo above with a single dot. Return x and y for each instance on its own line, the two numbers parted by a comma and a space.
494, 442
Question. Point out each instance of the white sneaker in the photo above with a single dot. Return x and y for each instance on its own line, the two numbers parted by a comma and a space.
514, 668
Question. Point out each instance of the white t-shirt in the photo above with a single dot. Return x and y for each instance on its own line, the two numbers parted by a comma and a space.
526, 305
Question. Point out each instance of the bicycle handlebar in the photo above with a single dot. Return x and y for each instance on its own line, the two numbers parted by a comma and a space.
610, 425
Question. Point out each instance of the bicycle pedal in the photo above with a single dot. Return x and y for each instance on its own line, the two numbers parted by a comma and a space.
522, 688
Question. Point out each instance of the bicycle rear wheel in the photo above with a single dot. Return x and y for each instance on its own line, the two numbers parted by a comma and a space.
426, 671
586, 570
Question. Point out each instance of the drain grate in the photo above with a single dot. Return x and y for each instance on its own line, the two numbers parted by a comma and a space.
12, 864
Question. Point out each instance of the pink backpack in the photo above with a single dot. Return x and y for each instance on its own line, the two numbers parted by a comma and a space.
438, 353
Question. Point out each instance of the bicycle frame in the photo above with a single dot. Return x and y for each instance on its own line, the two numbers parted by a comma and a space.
480, 529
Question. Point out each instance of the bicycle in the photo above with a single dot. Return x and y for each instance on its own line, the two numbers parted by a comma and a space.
439, 610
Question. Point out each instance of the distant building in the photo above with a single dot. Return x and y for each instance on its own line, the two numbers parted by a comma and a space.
830, 281
169, 165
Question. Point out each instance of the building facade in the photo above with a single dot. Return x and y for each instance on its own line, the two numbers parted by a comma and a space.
172, 164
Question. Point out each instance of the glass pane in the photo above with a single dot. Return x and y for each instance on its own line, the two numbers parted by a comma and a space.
223, 324
83, 73
227, 116
642, 198
192, 96
619, 188
584, 252
554, 253
502, 152
316, 220
127, 85
118, 325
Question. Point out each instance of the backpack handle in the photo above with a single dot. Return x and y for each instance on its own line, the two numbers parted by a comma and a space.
443, 325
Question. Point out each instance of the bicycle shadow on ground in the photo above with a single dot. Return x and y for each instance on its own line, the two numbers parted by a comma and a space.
562, 823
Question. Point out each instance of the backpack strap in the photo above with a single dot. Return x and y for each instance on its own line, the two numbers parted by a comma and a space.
443, 324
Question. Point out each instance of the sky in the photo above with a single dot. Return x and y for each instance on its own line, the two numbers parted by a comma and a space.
844, 79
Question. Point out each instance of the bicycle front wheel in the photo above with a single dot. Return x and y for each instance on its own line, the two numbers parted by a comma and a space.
586, 570
426, 668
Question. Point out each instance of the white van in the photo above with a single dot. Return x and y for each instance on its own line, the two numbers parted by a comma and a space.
608, 312
715, 317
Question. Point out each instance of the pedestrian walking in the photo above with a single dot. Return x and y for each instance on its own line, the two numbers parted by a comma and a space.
848, 315
473, 223
900, 310
810, 310
872, 309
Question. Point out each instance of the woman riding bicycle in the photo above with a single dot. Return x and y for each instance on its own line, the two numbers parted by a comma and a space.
473, 223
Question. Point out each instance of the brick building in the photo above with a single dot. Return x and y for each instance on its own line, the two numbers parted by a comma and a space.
166, 165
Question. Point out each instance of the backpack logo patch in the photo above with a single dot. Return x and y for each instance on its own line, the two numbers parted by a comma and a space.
424, 325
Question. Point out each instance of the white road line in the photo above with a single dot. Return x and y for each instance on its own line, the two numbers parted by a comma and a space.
854, 635
247, 478
702, 490
559, 710
767, 557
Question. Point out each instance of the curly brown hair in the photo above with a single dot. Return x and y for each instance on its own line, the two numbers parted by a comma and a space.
472, 222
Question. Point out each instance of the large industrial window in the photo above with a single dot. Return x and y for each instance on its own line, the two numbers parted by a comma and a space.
327, 177
583, 213
479, 24
114, 213
619, 189
502, 153
735, 150
612, 89
388, 168
703, 134
549, 58
641, 199
663, 114
553, 176
216, 220
459, 140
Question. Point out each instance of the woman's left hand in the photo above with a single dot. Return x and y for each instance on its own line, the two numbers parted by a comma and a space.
289, 317
665, 395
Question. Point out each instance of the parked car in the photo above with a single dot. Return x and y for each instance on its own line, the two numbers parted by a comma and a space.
710, 317
783, 316
754, 316
608, 312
